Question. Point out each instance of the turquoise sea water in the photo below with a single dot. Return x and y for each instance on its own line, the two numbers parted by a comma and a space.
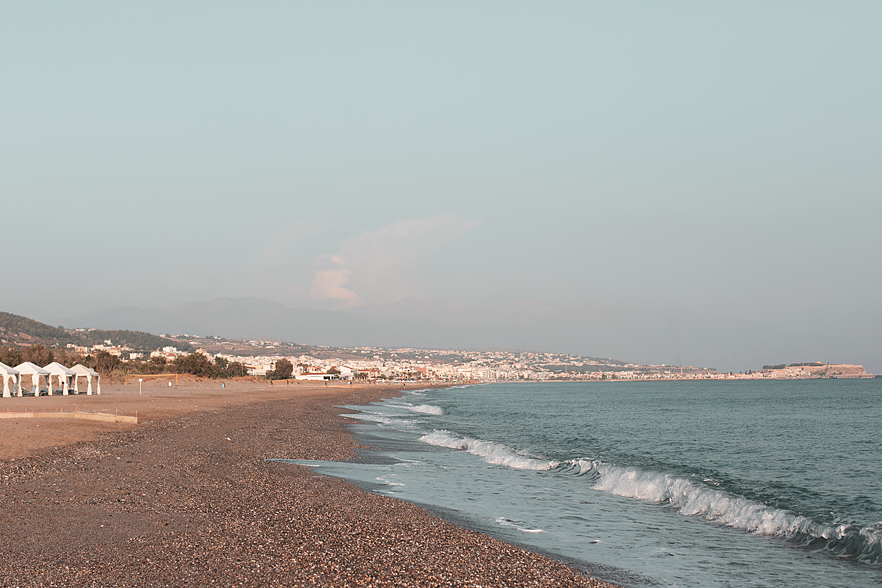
750, 483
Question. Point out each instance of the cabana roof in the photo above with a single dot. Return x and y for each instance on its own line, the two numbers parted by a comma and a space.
57, 369
30, 368
9, 371
82, 370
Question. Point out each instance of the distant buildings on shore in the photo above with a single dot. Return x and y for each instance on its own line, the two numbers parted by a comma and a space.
373, 363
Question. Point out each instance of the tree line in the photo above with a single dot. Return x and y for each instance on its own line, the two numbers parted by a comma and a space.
40, 355
195, 364
106, 364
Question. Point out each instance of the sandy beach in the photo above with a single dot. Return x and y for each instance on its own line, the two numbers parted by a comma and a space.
187, 498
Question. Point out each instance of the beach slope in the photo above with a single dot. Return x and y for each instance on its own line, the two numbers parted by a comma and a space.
190, 499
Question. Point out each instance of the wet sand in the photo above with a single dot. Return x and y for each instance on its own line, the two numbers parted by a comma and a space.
188, 498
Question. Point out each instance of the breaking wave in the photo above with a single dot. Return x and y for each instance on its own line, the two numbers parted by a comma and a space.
427, 409
694, 498
420, 408
689, 497
492, 453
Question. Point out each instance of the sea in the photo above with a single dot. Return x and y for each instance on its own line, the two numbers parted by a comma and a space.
745, 483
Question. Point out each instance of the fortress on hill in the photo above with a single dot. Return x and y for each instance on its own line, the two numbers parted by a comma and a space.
814, 370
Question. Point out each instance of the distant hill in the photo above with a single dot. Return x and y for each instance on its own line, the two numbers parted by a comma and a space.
22, 331
243, 318
14, 328
645, 335
648, 335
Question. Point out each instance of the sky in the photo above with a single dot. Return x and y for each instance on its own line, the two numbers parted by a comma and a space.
713, 158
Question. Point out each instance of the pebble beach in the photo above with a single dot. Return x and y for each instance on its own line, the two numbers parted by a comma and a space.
190, 497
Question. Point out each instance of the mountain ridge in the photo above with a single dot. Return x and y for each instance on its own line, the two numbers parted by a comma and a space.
647, 335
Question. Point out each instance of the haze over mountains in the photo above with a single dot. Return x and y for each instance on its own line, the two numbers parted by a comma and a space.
522, 175
648, 335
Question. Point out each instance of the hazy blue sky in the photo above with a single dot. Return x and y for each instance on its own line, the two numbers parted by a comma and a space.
723, 158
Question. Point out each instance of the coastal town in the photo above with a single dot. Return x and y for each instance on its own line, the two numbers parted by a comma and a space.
315, 363
119, 354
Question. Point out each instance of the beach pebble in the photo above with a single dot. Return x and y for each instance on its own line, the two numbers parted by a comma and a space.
176, 503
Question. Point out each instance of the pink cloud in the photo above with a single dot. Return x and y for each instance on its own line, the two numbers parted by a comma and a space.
384, 265
328, 283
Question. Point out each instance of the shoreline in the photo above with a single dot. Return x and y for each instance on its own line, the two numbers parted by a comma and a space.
189, 499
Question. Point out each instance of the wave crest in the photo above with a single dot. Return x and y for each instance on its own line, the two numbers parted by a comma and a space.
693, 498
489, 451
690, 497
427, 409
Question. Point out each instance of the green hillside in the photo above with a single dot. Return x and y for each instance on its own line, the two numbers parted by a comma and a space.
15, 329
13, 324
137, 340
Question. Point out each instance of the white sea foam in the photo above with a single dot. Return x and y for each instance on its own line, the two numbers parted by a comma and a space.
420, 408
427, 409
384, 419
696, 499
492, 453
689, 497
516, 524
701, 499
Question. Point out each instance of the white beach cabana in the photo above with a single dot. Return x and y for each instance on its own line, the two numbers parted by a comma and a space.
6, 373
79, 371
62, 373
35, 372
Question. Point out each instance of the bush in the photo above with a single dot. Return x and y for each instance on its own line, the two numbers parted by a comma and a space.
235, 369
283, 371
102, 362
195, 364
